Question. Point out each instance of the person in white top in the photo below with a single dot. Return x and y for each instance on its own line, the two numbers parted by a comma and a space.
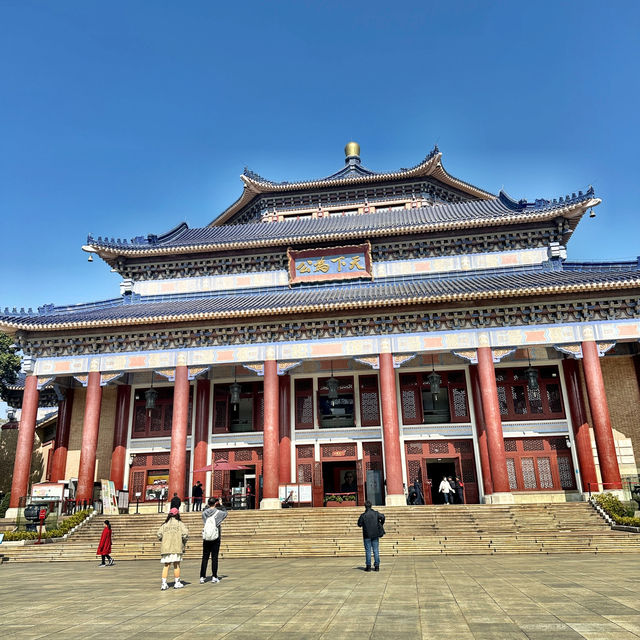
446, 491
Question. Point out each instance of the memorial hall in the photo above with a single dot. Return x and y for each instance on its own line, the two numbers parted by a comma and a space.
346, 336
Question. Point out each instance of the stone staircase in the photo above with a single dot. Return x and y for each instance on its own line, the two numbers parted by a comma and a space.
427, 530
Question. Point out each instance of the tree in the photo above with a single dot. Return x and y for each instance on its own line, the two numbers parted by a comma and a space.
9, 364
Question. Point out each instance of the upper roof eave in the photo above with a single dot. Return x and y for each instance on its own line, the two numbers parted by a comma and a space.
431, 166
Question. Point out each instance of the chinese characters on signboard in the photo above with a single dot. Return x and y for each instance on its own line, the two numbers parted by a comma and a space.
337, 263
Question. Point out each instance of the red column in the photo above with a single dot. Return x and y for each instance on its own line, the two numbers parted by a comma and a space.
391, 432
600, 413
178, 455
26, 433
481, 430
87, 470
271, 437
284, 454
203, 388
59, 461
493, 423
119, 453
580, 425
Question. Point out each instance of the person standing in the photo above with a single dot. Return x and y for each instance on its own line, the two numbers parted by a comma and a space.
371, 522
418, 490
104, 546
173, 535
460, 490
175, 502
446, 490
212, 518
196, 494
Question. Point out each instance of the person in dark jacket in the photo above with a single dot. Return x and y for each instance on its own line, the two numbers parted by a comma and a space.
196, 493
175, 502
212, 547
371, 522
418, 491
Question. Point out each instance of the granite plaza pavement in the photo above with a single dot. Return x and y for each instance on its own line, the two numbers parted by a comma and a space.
532, 597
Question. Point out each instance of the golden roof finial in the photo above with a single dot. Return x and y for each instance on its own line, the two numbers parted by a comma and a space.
352, 149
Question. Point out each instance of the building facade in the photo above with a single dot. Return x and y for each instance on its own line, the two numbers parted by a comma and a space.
351, 334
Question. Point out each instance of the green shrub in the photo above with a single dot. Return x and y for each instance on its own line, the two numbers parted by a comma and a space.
616, 510
4, 505
58, 532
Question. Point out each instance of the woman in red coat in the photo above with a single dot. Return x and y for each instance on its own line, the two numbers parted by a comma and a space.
104, 548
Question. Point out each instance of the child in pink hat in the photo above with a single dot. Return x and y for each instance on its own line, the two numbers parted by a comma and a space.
173, 536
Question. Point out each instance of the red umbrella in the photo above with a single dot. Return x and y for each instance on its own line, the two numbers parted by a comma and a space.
221, 465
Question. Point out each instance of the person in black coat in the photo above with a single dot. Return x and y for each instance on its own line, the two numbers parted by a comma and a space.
175, 502
371, 522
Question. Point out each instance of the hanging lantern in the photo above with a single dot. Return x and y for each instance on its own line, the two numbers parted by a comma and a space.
532, 377
332, 385
150, 397
234, 390
434, 382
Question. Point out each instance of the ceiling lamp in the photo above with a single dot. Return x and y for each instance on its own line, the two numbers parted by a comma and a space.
150, 397
234, 390
434, 381
332, 385
531, 373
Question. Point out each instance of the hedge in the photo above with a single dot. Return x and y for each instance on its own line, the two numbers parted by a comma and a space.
64, 528
614, 508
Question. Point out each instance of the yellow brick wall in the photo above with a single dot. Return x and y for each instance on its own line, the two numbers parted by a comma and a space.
105, 433
623, 397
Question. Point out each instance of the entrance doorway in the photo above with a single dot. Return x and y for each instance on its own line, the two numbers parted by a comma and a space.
243, 488
339, 477
436, 470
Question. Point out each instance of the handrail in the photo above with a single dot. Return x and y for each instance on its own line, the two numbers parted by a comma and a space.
613, 485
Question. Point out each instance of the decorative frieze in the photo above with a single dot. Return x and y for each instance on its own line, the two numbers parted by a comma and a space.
513, 316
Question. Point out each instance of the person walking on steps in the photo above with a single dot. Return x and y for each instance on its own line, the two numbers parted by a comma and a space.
371, 522
175, 502
173, 535
212, 518
446, 491
104, 546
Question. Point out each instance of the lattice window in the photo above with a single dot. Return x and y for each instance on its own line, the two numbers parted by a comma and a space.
438, 447
304, 410
409, 405
218, 477
510, 445
519, 400
511, 472
462, 446
544, 473
305, 451
156, 424
139, 461
558, 444
305, 473
259, 419
414, 448
373, 449
502, 400
565, 470
138, 482
415, 470
528, 473
220, 455
140, 421
220, 417
459, 402
369, 408
533, 444
160, 458
468, 471
243, 455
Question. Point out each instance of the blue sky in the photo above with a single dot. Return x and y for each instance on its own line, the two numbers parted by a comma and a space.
126, 118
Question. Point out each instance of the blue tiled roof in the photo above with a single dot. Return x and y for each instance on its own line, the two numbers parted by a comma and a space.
423, 290
502, 208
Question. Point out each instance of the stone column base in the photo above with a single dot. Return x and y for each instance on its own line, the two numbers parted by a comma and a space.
395, 500
270, 503
12, 513
499, 498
